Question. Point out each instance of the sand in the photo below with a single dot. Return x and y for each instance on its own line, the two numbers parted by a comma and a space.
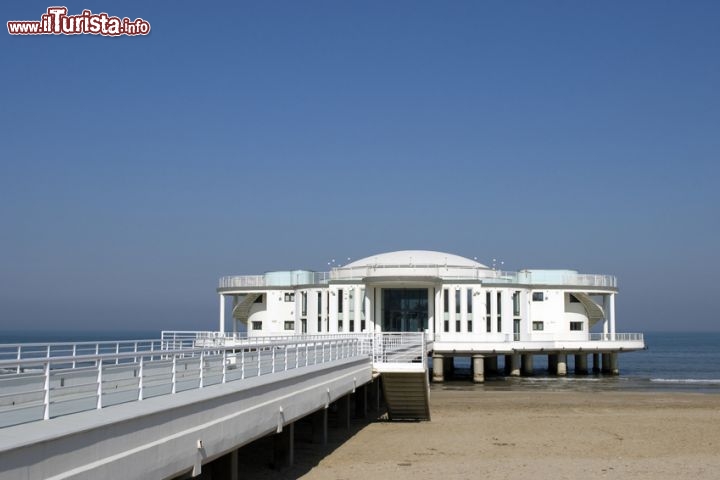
523, 435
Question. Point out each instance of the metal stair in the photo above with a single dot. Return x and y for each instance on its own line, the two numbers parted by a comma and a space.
241, 311
407, 395
594, 311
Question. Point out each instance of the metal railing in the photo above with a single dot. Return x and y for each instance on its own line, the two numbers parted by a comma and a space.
485, 275
249, 281
41, 387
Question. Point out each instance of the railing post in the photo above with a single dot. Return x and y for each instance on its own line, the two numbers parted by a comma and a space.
141, 373
202, 367
74, 354
46, 390
135, 351
224, 367
242, 363
117, 352
297, 355
285, 360
273, 359
99, 383
174, 372
19, 356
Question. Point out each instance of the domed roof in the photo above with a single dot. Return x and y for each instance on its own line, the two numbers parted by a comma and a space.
415, 258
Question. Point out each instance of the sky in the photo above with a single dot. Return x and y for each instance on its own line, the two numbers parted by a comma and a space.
243, 137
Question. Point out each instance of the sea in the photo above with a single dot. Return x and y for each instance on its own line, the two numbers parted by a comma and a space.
673, 361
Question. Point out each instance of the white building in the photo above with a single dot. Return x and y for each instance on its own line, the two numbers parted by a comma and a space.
464, 307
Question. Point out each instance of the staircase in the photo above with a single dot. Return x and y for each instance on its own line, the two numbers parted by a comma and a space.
407, 395
594, 311
241, 311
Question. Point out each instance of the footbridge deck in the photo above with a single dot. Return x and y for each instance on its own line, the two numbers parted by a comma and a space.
156, 409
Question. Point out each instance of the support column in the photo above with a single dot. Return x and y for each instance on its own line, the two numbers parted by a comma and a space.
596, 363
527, 364
478, 364
491, 365
343, 412
361, 409
222, 314
606, 363
515, 365
284, 447
320, 426
552, 363
614, 370
612, 316
234, 465
438, 368
449, 365
562, 364
581, 364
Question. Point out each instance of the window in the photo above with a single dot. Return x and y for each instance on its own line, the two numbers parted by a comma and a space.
538, 296
499, 303
469, 300
516, 304
257, 325
446, 301
576, 326
488, 325
340, 301
457, 302
289, 325
289, 297
487, 303
573, 298
538, 326
304, 304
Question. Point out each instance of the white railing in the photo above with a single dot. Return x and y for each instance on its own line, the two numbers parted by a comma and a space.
484, 275
617, 337
25, 351
249, 281
34, 388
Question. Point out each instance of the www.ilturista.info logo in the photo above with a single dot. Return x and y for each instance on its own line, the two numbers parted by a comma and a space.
57, 22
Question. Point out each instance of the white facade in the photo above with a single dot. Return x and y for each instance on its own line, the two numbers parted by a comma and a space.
458, 302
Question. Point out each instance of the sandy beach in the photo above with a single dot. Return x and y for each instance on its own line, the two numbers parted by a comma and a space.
521, 435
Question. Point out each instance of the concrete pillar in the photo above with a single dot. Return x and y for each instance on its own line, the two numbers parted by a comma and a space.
527, 364
222, 313
449, 366
596, 363
343, 412
614, 369
581, 364
552, 363
284, 447
606, 363
562, 364
361, 409
478, 366
438, 368
491, 365
320, 426
515, 365
612, 316
234, 465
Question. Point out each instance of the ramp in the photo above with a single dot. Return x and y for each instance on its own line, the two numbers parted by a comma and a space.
407, 395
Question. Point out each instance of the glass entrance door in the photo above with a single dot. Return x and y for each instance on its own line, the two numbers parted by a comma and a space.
404, 309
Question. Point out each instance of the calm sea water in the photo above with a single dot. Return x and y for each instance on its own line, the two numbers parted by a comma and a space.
687, 362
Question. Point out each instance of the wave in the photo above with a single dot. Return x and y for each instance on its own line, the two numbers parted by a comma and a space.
704, 381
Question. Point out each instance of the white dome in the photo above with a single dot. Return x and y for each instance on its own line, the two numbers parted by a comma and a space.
415, 258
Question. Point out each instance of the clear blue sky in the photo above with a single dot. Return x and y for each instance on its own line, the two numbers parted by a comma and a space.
244, 137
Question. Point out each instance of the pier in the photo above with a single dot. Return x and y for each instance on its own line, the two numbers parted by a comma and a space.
164, 408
